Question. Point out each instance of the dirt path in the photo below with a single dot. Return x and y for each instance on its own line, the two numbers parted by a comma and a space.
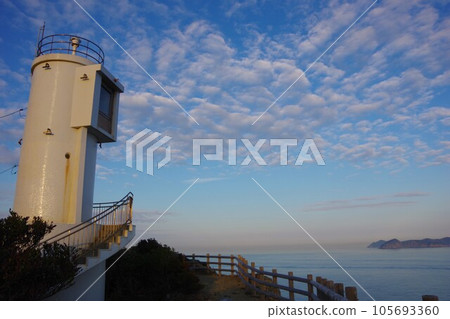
223, 288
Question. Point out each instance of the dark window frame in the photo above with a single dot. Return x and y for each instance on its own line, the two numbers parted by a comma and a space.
105, 120
111, 102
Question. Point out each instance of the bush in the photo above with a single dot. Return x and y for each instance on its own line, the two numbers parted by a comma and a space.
30, 270
149, 271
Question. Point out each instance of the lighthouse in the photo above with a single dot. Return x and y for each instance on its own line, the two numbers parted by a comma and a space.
73, 107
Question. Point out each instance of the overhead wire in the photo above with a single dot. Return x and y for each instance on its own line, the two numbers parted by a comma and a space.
12, 113
1, 117
9, 169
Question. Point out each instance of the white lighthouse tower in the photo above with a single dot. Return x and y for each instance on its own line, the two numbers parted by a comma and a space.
73, 106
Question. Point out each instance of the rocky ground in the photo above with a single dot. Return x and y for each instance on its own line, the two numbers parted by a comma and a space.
223, 288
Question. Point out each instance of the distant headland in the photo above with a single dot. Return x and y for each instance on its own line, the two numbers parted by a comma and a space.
422, 243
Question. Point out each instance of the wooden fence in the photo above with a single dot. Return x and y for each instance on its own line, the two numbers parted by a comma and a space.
266, 284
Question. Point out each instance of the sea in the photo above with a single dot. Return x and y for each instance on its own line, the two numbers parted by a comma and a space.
381, 274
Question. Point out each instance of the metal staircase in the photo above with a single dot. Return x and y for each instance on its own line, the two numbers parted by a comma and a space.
101, 236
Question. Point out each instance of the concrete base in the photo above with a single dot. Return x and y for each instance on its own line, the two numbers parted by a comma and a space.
82, 282
93, 269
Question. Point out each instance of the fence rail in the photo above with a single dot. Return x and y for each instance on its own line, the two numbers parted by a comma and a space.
109, 220
265, 283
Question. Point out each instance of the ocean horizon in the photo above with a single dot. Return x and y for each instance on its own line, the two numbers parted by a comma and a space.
385, 274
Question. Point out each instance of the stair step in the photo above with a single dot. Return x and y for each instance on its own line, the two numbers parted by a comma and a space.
108, 249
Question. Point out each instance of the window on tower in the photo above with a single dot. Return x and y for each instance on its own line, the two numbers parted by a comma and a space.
105, 110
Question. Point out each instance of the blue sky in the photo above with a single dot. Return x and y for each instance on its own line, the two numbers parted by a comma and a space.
376, 104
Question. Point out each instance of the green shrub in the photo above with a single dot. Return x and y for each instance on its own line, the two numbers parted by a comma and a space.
29, 270
149, 271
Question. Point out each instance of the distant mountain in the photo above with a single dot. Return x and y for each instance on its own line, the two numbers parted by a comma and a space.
377, 244
423, 243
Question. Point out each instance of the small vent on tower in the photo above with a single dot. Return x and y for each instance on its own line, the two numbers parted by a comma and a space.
48, 132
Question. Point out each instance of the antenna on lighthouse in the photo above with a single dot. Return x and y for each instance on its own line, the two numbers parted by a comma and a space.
75, 43
40, 37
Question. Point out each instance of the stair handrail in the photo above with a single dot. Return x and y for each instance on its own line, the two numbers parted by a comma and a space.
110, 208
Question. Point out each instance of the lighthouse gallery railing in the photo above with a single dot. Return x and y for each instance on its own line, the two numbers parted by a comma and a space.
109, 220
70, 44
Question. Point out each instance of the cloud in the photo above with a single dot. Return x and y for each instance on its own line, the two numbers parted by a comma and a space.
433, 114
145, 216
353, 206
206, 180
411, 194
239, 5
377, 201
103, 172
8, 156
380, 80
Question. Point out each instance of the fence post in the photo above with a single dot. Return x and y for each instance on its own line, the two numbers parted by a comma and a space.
274, 276
291, 285
246, 269
339, 288
207, 260
219, 260
430, 298
275, 281
262, 286
324, 283
232, 265
253, 276
242, 268
310, 287
351, 293
320, 294
239, 265
330, 284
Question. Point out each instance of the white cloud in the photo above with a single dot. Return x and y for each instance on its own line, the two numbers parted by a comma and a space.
387, 67
8, 156
376, 201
